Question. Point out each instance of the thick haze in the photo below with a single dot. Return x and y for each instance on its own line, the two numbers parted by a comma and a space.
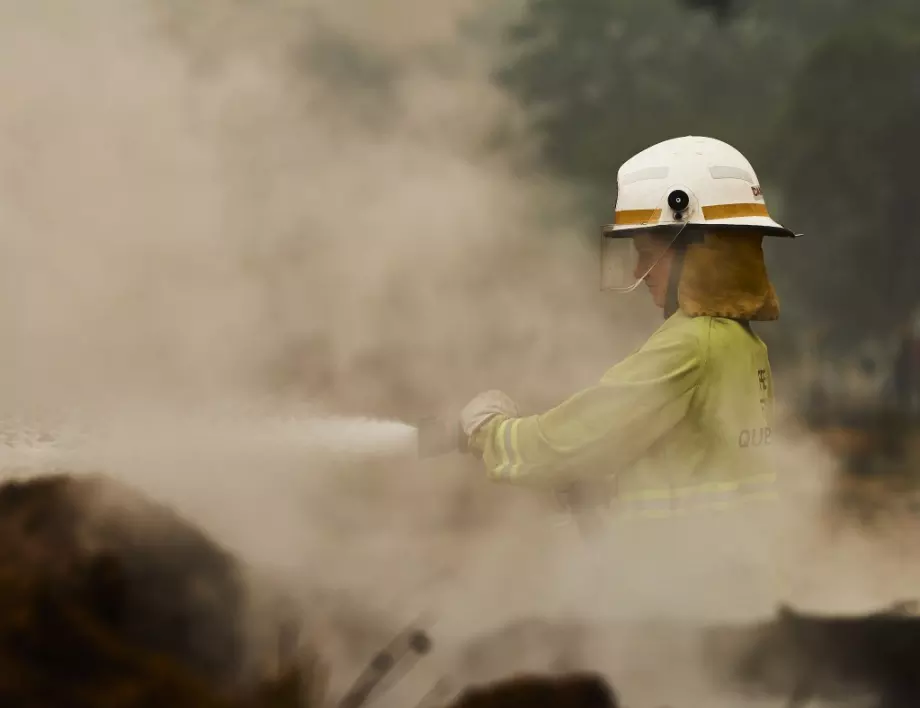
213, 215
206, 200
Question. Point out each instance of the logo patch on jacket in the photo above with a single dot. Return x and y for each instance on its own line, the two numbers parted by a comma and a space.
755, 437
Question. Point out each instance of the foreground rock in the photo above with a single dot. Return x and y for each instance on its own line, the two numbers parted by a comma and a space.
571, 691
112, 600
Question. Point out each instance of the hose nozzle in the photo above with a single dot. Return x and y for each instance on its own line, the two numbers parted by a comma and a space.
440, 436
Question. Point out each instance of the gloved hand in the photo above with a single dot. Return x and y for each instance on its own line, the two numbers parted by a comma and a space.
483, 407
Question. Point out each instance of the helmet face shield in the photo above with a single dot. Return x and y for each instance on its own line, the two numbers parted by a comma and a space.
619, 261
626, 260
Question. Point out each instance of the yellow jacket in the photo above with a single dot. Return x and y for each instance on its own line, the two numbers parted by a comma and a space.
680, 425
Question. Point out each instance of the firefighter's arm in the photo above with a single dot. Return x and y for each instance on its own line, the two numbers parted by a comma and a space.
602, 428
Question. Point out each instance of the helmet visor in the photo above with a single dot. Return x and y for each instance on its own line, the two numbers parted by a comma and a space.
626, 261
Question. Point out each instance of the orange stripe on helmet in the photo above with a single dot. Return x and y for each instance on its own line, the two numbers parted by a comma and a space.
636, 217
732, 211
644, 217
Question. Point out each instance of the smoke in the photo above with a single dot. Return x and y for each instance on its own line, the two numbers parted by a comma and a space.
214, 210
223, 222
118, 281
204, 199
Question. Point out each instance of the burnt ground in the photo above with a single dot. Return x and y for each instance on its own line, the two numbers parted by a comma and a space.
805, 658
113, 600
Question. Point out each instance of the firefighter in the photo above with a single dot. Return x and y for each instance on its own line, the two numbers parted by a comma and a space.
683, 424
677, 436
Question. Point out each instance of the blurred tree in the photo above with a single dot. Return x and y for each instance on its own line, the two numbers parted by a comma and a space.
822, 97
721, 9
846, 154
603, 79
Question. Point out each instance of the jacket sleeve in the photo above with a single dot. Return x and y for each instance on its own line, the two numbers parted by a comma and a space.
603, 428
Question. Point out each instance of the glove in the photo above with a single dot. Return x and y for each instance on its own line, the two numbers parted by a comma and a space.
484, 407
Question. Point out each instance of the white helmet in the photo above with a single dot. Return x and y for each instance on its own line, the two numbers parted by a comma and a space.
682, 186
